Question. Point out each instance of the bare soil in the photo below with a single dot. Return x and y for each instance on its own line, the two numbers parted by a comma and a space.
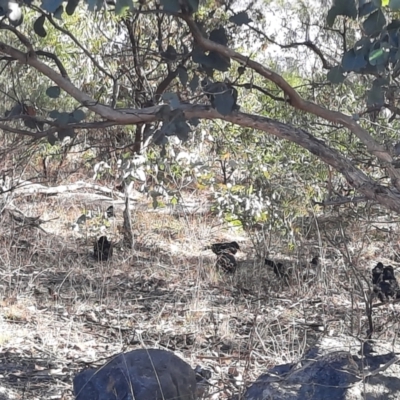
61, 310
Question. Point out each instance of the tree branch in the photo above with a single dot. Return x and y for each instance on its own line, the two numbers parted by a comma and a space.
340, 201
35, 135
57, 61
76, 41
308, 43
355, 177
102, 110
297, 101
22, 38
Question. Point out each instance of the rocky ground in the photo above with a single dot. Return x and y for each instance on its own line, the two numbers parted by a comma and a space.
61, 310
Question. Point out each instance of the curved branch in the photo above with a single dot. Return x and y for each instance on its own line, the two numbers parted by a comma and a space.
296, 100
312, 46
250, 86
57, 61
22, 38
102, 110
35, 135
356, 178
76, 41
308, 43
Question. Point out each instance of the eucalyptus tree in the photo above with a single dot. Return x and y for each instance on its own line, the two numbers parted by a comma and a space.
187, 62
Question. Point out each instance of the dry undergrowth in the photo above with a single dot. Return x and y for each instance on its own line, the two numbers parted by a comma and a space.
61, 311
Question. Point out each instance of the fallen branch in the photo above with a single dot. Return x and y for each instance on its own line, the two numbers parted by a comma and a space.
27, 188
340, 201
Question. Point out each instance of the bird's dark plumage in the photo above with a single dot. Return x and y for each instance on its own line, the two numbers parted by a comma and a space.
226, 262
388, 289
377, 273
225, 247
388, 273
385, 283
315, 261
279, 268
103, 249
110, 212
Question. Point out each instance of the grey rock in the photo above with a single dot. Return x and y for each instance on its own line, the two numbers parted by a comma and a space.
335, 375
138, 375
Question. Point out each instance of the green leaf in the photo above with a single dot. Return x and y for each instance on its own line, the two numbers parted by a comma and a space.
122, 5
182, 130
78, 115
193, 5
198, 56
362, 46
218, 62
394, 5
183, 75
224, 103
95, 5
379, 82
54, 114
240, 18
71, 6
219, 36
374, 24
53, 92
163, 112
366, 8
346, 8
352, 61
172, 99
51, 5
379, 56
63, 133
16, 110
38, 26
170, 53
63, 118
52, 139
375, 97
335, 75
58, 13
171, 5
194, 83
159, 138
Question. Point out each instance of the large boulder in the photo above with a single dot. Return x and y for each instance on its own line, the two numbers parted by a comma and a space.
138, 375
334, 375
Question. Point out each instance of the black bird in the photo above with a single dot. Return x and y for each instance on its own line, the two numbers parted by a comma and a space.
103, 249
315, 261
226, 262
388, 273
311, 270
388, 289
219, 248
377, 273
385, 283
279, 268
110, 212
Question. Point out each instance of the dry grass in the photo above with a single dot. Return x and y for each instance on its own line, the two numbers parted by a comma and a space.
60, 310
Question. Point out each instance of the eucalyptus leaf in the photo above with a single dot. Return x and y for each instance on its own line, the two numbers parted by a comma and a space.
335, 75
53, 92
38, 26
240, 18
